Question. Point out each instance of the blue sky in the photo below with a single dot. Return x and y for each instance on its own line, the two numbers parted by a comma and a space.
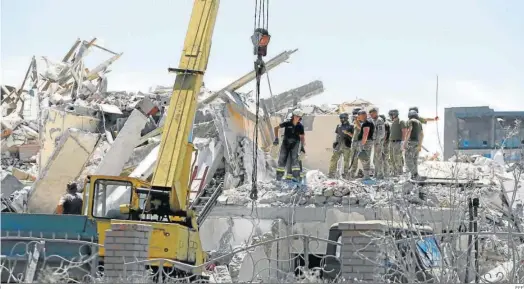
387, 52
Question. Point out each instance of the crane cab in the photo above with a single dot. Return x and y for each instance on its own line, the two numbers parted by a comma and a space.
110, 199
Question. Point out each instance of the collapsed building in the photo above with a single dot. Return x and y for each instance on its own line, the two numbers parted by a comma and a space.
63, 124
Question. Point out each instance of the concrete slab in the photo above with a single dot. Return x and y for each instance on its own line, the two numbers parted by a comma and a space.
255, 266
10, 184
143, 171
56, 123
66, 163
122, 148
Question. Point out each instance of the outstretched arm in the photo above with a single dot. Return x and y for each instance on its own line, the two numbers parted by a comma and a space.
275, 130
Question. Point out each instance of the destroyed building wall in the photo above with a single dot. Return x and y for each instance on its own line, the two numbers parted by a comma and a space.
236, 131
56, 123
238, 121
64, 165
481, 129
123, 146
234, 224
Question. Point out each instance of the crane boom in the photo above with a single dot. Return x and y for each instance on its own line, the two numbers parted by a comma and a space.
173, 166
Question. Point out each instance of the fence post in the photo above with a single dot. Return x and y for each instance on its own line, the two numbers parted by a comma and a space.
126, 241
475, 229
161, 272
470, 240
32, 262
305, 241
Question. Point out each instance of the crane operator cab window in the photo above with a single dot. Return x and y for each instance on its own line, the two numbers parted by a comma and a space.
108, 196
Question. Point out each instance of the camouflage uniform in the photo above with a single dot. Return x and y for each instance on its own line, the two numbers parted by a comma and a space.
341, 147
412, 145
355, 145
378, 145
395, 147
365, 157
385, 150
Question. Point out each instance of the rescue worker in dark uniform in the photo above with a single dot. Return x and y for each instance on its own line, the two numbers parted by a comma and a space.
289, 173
294, 139
71, 203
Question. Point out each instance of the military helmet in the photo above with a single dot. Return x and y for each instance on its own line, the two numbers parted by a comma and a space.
383, 117
361, 112
412, 114
373, 109
343, 115
356, 110
298, 112
393, 112
413, 108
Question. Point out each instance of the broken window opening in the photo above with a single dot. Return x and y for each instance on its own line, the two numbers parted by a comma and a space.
108, 196
315, 262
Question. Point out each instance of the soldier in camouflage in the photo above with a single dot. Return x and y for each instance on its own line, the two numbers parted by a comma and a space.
412, 145
342, 145
378, 142
396, 129
423, 120
385, 147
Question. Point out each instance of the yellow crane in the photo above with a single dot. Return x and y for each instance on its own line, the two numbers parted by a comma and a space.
163, 202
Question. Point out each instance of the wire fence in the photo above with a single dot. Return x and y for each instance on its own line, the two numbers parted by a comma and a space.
399, 259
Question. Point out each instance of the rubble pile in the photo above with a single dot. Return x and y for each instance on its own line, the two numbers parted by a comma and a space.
321, 191
61, 100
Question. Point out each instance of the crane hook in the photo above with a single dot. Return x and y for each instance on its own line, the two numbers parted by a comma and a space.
260, 39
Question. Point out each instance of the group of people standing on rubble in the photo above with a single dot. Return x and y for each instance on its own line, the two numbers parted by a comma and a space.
391, 141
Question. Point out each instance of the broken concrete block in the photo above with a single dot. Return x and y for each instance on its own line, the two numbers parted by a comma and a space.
23, 176
334, 200
221, 274
31, 106
147, 107
29, 132
11, 121
328, 192
27, 151
58, 122
10, 184
12, 143
318, 200
56, 98
64, 165
122, 148
110, 108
